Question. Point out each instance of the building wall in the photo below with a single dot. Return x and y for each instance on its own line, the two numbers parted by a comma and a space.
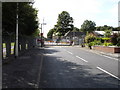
119, 14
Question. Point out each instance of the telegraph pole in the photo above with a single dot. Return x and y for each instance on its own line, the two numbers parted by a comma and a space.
16, 43
41, 36
42, 33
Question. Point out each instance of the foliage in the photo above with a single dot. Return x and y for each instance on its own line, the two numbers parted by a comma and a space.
107, 33
97, 42
107, 44
88, 26
89, 38
118, 40
28, 23
64, 23
105, 39
50, 33
114, 38
75, 29
103, 28
36, 33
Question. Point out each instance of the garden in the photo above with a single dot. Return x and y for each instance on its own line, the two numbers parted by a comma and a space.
108, 43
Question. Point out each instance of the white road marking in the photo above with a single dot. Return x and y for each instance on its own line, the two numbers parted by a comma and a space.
70, 52
40, 70
108, 73
82, 59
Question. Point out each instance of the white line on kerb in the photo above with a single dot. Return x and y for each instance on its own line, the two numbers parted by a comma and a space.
108, 73
108, 57
69, 52
81, 59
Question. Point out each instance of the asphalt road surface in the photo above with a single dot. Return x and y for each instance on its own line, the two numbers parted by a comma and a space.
72, 67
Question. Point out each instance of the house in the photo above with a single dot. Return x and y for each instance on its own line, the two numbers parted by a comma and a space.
101, 33
76, 37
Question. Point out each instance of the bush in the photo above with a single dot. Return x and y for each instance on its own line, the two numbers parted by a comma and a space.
97, 42
118, 40
114, 39
90, 38
108, 44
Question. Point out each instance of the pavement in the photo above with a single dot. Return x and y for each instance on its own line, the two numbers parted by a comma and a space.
115, 55
24, 71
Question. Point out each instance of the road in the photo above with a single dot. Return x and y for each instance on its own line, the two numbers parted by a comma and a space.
73, 67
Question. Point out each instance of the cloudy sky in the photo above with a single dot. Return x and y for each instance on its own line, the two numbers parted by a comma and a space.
102, 12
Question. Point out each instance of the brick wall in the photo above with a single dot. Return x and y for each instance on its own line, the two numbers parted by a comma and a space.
107, 49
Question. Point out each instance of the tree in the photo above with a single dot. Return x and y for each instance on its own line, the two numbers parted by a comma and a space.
75, 29
64, 23
28, 23
103, 28
50, 33
107, 33
88, 26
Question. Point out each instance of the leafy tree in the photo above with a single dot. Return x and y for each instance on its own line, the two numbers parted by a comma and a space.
107, 33
36, 33
103, 28
50, 33
90, 38
115, 39
28, 23
64, 23
75, 29
88, 26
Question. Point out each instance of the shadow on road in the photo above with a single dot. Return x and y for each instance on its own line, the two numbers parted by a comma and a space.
59, 73
23, 71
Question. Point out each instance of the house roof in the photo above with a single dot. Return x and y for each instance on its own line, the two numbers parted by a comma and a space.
103, 32
74, 34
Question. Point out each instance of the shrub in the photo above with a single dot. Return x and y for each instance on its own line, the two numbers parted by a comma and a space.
118, 40
114, 39
108, 44
90, 38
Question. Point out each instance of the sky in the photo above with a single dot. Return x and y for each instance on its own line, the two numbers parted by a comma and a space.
102, 12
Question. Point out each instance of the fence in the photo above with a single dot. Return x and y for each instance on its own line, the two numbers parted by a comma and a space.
24, 43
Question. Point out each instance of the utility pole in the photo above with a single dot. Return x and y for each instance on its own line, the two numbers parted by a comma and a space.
42, 33
1, 50
16, 43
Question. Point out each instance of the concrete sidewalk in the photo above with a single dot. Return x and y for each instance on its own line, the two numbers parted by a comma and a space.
115, 55
23, 72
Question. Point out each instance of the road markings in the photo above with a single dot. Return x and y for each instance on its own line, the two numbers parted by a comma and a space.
108, 73
70, 52
40, 70
82, 59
